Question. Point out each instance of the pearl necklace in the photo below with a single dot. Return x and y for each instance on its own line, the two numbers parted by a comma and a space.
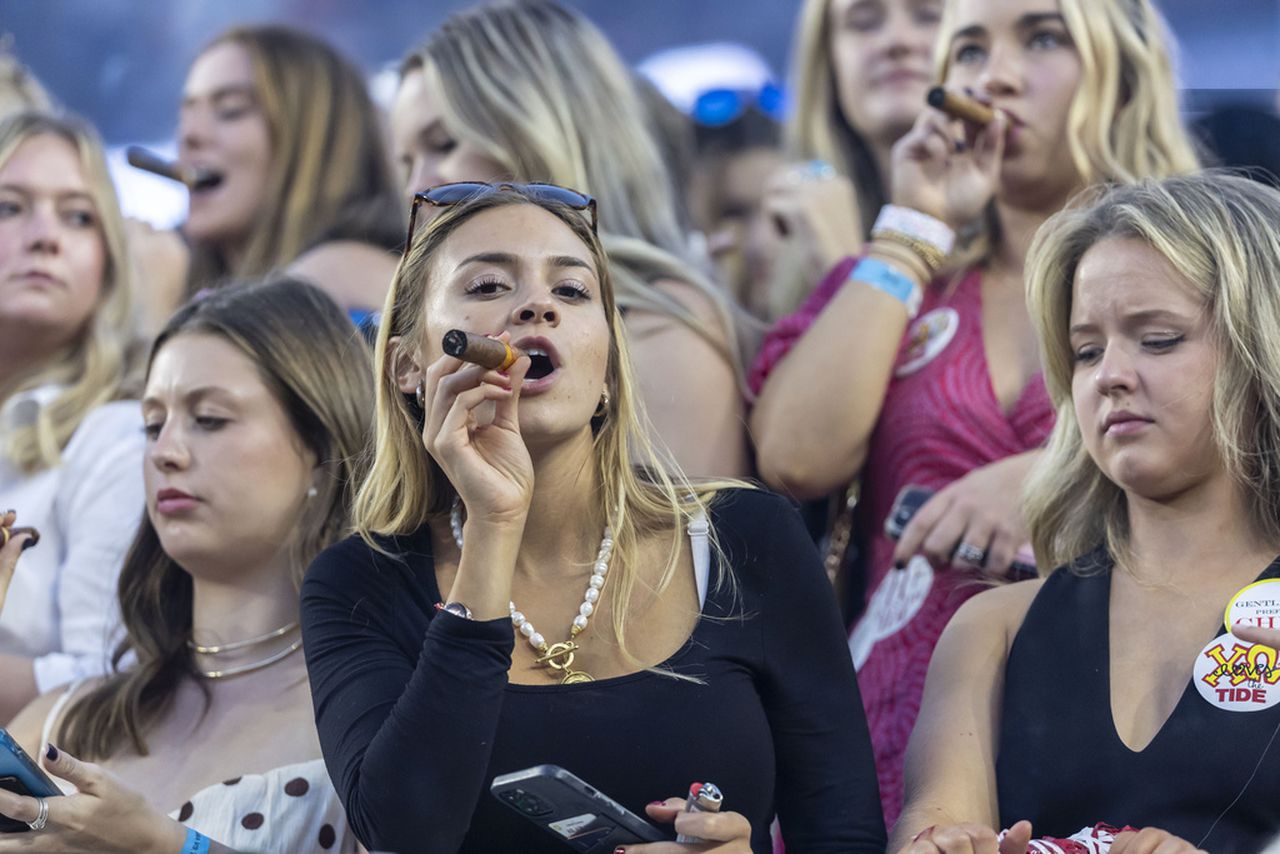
557, 656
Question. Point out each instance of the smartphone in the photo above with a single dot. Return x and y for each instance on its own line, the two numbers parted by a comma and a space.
585, 819
910, 500
20, 774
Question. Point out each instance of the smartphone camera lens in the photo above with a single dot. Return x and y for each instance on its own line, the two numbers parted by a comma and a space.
527, 802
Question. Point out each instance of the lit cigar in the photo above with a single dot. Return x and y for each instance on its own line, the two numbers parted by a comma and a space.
486, 352
194, 179
960, 106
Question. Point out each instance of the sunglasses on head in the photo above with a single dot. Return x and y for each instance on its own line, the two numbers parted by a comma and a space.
444, 195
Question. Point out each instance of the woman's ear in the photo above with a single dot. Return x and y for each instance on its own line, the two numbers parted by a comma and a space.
404, 366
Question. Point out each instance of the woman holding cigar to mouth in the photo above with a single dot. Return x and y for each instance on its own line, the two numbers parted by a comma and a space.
70, 445
531, 584
936, 374
491, 96
295, 174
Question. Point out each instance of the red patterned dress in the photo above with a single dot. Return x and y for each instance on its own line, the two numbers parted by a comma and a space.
940, 421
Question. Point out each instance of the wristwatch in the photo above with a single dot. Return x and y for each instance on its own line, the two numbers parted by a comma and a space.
455, 608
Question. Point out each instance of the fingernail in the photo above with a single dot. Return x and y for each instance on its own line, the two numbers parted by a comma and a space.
51, 753
655, 803
960, 145
619, 850
29, 542
899, 564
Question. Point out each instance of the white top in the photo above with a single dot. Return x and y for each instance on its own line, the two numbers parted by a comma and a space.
61, 609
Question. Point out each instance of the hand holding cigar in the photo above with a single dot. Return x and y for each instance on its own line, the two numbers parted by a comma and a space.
480, 350
194, 179
960, 106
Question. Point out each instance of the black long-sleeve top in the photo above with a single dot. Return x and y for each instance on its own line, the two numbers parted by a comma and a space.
416, 716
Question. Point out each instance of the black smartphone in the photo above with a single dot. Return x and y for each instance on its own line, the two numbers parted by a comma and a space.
20, 774
910, 499
583, 818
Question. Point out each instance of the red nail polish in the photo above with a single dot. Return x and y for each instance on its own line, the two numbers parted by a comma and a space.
655, 803
619, 850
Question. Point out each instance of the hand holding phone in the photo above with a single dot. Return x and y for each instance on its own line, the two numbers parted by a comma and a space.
20, 774
584, 818
909, 501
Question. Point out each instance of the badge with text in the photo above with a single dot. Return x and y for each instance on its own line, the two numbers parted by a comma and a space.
926, 338
1256, 605
1236, 675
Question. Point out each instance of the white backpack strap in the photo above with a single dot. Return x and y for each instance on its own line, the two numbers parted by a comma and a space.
699, 540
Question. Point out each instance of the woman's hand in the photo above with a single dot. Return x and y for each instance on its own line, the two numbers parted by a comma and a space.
15, 544
1151, 840
946, 168
983, 509
1254, 634
969, 839
487, 462
816, 209
721, 832
103, 816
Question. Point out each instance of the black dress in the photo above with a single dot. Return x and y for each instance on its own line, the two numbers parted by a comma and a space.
416, 715
1209, 776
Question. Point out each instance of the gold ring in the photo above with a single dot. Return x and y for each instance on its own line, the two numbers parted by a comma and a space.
7, 535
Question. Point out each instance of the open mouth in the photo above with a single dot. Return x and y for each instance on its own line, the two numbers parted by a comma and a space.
540, 365
205, 179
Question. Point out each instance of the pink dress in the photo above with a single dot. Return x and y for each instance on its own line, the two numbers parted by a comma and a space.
940, 420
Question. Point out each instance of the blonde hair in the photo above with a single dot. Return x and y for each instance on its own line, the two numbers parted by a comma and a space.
640, 491
19, 88
1218, 231
330, 176
818, 128
102, 362
1123, 124
540, 91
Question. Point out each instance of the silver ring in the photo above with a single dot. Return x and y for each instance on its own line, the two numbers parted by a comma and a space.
971, 554
42, 818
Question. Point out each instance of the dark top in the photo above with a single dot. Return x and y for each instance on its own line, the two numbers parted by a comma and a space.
416, 716
1062, 765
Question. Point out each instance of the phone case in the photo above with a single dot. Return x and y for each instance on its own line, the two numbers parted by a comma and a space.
584, 819
20, 774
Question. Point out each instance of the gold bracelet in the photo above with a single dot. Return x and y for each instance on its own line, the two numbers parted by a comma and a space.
903, 257
928, 253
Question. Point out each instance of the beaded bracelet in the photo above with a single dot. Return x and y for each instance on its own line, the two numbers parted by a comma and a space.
913, 223
196, 843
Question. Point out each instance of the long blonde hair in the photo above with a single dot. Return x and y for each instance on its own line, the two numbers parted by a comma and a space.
101, 363
1123, 124
538, 89
1219, 231
330, 176
641, 492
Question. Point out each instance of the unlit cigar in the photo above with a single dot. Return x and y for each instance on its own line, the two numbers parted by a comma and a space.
486, 352
15, 532
195, 179
960, 106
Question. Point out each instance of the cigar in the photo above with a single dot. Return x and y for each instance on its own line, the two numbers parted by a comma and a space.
486, 352
194, 179
960, 106
13, 532
703, 797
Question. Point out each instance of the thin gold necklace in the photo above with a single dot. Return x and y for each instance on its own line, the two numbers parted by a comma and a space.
241, 644
254, 665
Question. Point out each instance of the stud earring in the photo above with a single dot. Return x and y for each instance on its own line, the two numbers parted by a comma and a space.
420, 394
312, 492
602, 408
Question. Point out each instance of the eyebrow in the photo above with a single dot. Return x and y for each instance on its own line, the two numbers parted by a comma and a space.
220, 94
193, 396
1135, 319
63, 195
507, 259
1026, 22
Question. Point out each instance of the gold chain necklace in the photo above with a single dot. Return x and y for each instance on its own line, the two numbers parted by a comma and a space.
254, 665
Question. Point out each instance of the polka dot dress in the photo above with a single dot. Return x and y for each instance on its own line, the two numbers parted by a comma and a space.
288, 810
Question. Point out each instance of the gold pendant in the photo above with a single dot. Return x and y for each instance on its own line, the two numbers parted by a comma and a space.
559, 657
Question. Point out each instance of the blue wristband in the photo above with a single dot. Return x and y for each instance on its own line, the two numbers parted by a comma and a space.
196, 843
888, 279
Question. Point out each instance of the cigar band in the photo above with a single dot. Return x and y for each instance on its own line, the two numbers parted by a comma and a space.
913, 223
509, 359
888, 279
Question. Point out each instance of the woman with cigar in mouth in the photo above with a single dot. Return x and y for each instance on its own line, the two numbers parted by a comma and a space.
70, 444
531, 584
936, 375
293, 172
490, 96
